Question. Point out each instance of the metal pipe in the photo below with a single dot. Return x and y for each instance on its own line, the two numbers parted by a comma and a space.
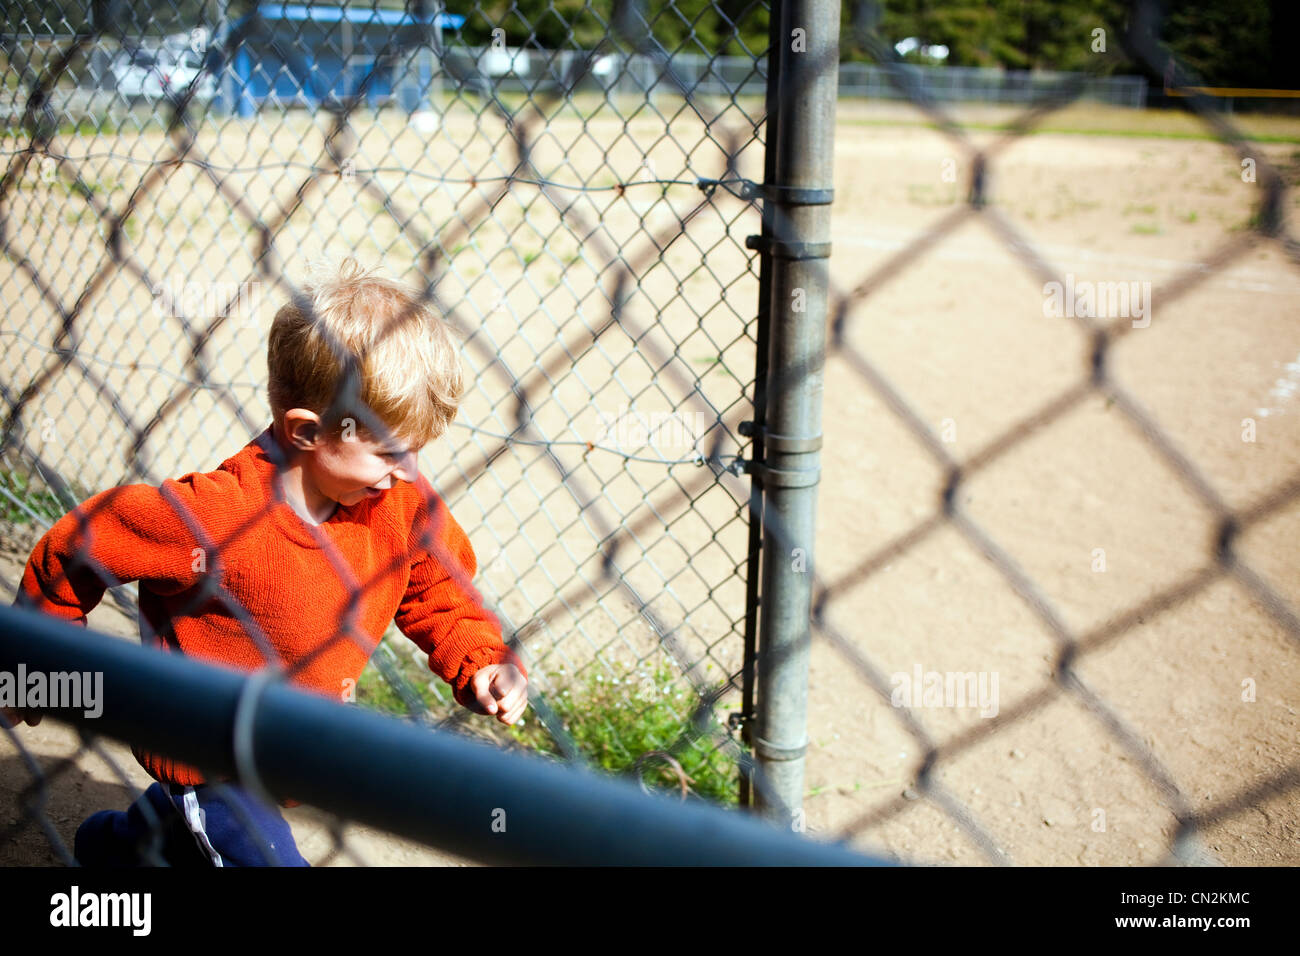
466, 797
754, 550
800, 220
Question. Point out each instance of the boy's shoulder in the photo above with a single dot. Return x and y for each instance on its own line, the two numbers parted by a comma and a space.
227, 495
245, 474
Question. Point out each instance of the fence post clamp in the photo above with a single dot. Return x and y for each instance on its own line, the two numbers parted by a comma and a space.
783, 249
781, 195
781, 445
797, 195
770, 751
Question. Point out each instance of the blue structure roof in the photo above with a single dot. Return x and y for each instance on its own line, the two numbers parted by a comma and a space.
314, 70
327, 14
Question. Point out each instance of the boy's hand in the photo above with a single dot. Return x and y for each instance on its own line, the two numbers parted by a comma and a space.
16, 717
500, 689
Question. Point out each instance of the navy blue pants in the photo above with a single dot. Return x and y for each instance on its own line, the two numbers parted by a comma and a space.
192, 826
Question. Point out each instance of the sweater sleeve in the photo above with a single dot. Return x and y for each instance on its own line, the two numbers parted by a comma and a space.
128, 533
441, 611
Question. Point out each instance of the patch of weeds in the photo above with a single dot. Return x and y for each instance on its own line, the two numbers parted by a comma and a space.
39, 501
392, 665
614, 721
374, 692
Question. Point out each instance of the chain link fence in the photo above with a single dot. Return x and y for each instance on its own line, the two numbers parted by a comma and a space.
573, 233
584, 231
956, 84
1139, 756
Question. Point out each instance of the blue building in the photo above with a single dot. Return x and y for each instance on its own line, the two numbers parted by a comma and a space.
297, 53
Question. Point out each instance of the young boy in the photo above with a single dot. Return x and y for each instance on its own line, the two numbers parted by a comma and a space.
297, 551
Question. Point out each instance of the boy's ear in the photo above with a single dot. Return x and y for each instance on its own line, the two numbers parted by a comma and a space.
302, 428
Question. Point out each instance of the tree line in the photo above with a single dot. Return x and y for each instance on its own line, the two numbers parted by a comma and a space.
1226, 42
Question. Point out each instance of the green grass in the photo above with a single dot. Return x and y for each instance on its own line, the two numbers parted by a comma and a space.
41, 502
85, 126
375, 692
613, 721
1048, 129
1082, 119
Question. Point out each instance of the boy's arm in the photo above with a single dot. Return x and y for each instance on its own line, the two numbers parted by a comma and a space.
129, 533
441, 610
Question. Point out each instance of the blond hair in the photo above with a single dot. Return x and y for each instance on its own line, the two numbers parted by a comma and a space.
369, 347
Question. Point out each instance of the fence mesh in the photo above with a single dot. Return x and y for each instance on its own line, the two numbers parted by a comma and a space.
607, 344
1174, 821
582, 226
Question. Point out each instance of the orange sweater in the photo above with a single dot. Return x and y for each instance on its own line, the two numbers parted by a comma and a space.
226, 569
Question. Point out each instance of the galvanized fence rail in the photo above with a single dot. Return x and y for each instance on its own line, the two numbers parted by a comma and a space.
781, 415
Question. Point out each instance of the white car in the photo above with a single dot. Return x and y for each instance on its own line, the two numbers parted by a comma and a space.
179, 73
135, 73
501, 61
155, 74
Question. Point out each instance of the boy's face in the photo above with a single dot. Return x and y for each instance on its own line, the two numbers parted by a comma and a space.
350, 470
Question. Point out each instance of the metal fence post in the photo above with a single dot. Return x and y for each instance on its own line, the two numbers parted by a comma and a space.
797, 215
